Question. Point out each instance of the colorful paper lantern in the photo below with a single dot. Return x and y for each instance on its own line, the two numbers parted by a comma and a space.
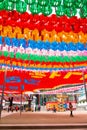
60, 10
35, 8
55, 3
29, 1
9, 5
15, 1
21, 6
43, 2
47, 10
1, 5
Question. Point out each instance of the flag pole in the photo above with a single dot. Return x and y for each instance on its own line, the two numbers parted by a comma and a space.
21, 105
22, 88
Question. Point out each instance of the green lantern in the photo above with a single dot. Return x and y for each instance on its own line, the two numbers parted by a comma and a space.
83, 15
11, 54
85, 58
45, 59
68, 12
29, 1
43, 2
60, 11
75, 58
8, 5
5, 53
21, 7
18, 55
1, 5
31, 57
83, 12
84, 1
24, 56
71, 12
79, 4
15, 1
34, 57
35, 9
36, 1
55, 2
68, 3
40, 58
46, 10
0, 53
67, 59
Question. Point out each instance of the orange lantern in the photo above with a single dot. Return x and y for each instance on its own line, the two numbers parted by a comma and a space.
27, 34
45, 35
0, 27
17, 30
11, 35
35, 35
81, 37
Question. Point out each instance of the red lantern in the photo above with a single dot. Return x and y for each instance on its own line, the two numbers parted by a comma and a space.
73, 20
35, 18
53, 19
11, 23
4, 14
59, 27
14, 15
24, 17
43, 19
63, 19
38, 26
67, 27
49, 27
76, 28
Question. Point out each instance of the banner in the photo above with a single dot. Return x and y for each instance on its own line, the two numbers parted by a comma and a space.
23, 81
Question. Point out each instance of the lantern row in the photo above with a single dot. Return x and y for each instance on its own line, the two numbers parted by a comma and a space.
44, 35
27, 64
40, 22
41, 58
45, 51
61, 46
62, 7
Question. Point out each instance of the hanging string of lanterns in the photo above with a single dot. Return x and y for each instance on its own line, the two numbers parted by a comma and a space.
23, 62
61, 46
41, 22
44, 35
65, 7
22, 31
31, 57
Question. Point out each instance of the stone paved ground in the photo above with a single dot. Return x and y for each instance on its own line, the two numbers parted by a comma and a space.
43, 118
46, 129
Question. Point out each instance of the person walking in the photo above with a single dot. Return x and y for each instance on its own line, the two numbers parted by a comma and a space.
71, 109
54, 108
